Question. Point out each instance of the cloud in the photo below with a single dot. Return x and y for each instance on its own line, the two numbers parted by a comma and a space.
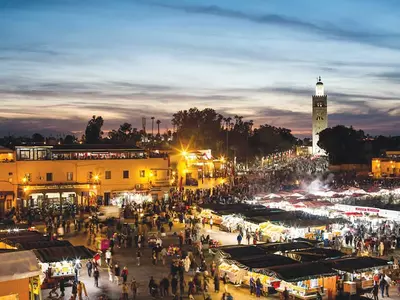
379, 39
390, 76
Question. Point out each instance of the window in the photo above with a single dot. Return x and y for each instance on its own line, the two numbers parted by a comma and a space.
8, 204
142, 173
28, 177
107, 175
90, 175
125, 174
49, 176
155, 173
70, 176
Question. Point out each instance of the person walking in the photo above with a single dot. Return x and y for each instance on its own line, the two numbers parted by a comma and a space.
163, 254
108, 257
239, 239
375, 291
134, 288
124, 274
125, 291
138, 256
387, 286
96, 275
62, 287
382, 285
174, 285
89, 267
81, 290
216, 283
117, 273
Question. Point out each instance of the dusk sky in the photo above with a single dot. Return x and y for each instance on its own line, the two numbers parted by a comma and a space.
62, 61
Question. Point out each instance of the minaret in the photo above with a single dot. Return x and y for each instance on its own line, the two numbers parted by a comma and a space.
319, 116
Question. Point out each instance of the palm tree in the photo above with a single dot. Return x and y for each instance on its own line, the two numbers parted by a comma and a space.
152, 126
158, 127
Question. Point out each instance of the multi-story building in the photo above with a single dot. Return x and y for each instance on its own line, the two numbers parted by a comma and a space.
79, 173
388, 166
198, 168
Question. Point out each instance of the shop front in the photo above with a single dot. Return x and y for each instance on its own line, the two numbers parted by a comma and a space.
58, 195
129, 198
356, 274
6, 201
306, 280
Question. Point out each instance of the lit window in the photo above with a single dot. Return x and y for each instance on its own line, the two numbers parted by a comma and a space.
142, 173
28, 177
70, 176
107, 175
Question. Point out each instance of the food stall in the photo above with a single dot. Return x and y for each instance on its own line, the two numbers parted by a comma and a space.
304, 281
356, 273
272, 232
208, 214
59, 262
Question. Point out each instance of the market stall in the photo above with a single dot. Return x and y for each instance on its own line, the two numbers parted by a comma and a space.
59, 262
20, 276
357, 273
304, 281
272, 232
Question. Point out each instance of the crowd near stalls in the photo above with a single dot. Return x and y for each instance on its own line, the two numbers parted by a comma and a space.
58, 260
259, 223
293, 269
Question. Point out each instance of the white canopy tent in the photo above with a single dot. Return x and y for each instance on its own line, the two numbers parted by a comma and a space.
18, 265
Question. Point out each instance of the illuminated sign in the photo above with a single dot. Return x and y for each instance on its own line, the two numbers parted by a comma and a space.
58, 187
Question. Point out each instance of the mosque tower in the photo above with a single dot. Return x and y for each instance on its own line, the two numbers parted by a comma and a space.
319, 116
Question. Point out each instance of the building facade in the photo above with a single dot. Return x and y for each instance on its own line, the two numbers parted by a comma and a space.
198, 168
386, 167
319, 116
80, 174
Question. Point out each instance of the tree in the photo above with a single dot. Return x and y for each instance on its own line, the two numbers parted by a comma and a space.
125, 134
93, 131
152, 126
343, 144
158, 127
200, 129
38, 138
269, 139
70, 139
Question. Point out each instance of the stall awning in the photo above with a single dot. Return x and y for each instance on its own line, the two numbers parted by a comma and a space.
30, 245
18, 265
315, 254
312, 242
239, 252
358, 264
300, 272
266, 261
55, 254
284, 247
